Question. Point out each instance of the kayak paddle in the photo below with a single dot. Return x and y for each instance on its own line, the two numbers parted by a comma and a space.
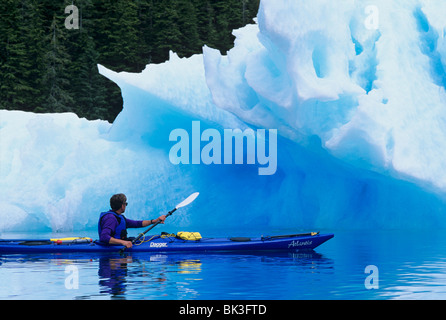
184, 203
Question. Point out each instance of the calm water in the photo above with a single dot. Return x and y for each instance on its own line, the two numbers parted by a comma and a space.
409, 265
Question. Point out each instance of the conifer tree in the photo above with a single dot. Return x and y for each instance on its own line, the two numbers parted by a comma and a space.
119, 30
168, 35
56, 81
45, 67
188, 25
85, 86
20, 54
145, 32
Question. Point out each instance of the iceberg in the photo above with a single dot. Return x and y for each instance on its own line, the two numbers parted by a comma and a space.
355, 92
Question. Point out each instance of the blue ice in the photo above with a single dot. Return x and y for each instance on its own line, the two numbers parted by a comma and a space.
356, 94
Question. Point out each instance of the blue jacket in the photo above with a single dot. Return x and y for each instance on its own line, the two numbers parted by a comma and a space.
121, 230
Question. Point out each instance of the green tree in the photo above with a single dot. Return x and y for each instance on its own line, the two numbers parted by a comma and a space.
145, 32
20, 53
167, 35
118, 35
187, 22
85, 85
45, 67
56, 81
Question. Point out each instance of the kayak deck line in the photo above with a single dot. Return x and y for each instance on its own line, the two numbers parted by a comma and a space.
162, 243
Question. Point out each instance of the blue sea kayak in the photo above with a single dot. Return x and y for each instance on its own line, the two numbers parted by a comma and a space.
168, 243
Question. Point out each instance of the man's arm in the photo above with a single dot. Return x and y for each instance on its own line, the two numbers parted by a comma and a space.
160, 219
109, 224
144, 223
127, 244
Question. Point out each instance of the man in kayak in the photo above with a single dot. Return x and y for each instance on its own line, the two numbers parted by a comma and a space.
112, 226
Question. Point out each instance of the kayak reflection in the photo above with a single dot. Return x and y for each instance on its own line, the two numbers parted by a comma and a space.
157, 276
187, 275
116, 274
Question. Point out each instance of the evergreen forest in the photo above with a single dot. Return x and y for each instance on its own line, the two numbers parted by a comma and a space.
46, 66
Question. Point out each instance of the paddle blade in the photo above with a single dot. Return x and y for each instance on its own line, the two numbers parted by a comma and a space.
188, 200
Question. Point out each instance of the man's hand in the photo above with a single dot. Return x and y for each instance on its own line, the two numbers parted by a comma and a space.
161, 219
127, 244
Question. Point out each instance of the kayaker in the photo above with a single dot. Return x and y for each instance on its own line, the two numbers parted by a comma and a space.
112, 225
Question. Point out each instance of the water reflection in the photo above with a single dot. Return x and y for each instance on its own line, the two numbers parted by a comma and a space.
163, 276
415, 282
411, 266
117, 273
112, 275
180, 276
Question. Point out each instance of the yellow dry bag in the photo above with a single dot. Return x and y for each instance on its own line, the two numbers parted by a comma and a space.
189, 235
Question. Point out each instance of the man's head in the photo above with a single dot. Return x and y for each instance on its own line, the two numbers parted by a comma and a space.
118, 202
